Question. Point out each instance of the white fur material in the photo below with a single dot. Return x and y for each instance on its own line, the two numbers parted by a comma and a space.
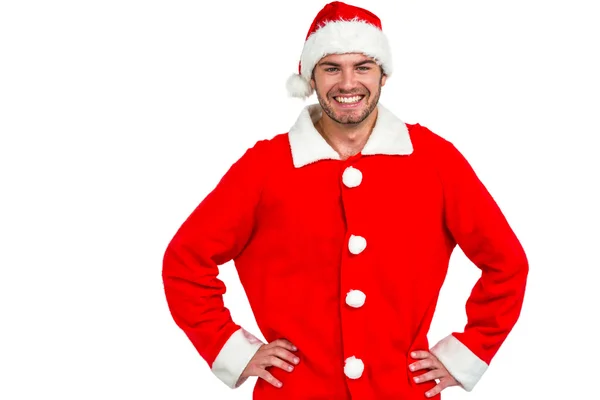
297, 86
355, 298
235, 356
352, 177
354, 367
357, 244
389, 136
306, 143
460, 361
341, 37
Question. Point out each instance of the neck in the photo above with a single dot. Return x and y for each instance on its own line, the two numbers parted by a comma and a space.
346, 139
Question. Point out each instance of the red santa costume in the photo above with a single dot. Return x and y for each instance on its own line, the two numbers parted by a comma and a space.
345, 258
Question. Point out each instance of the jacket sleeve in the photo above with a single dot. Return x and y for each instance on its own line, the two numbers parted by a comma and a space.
216, 232
477, 225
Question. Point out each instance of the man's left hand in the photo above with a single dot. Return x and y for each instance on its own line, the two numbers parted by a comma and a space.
436, 371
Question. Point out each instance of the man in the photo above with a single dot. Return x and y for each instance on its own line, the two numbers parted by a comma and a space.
341, 231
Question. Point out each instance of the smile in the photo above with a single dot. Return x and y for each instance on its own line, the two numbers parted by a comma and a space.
348, 100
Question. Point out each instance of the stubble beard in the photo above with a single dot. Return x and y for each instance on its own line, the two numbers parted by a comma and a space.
349, 119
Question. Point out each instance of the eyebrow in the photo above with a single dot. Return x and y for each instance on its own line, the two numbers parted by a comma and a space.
356, 64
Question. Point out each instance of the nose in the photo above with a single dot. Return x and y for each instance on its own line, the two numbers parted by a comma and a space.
348, 79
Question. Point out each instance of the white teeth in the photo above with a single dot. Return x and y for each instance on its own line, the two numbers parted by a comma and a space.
348, 100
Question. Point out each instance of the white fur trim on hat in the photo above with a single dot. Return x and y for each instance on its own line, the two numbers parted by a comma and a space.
341, 37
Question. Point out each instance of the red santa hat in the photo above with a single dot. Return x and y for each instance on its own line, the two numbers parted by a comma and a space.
340, 28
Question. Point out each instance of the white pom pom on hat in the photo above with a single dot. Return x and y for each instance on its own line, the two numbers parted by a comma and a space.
340, 28
297, 86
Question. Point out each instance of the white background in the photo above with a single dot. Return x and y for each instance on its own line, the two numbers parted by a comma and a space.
118, 117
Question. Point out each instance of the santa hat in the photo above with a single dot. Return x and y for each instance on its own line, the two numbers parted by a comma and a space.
340, 28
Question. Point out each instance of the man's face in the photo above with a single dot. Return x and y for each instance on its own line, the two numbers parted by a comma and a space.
347, 86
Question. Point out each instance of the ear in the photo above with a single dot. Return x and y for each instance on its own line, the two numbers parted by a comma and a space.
383, 79
312, 83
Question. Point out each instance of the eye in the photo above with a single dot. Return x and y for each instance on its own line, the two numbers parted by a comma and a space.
331, 69
364, 68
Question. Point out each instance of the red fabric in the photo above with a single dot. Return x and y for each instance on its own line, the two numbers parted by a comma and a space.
287, 230
337, 11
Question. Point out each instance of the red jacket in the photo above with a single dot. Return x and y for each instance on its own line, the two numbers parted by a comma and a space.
346, 258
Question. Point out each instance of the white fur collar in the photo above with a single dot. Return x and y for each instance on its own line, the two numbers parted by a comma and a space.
390, 136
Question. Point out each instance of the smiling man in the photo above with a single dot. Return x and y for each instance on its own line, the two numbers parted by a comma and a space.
341, 231
349, 86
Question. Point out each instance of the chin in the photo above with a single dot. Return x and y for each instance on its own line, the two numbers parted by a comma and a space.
350, 116
350, 119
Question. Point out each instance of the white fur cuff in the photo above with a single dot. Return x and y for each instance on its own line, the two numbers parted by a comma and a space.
235, 356
460, 361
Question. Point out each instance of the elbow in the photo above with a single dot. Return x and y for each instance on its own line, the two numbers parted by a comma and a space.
522, 262
520, 269
171, 263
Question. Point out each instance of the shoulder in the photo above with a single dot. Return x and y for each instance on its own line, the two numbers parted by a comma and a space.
450, 162
273, 144
439, 152
424, 140
423, 134
275, 149
265, 153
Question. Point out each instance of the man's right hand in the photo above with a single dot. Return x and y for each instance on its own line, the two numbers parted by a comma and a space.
274, 354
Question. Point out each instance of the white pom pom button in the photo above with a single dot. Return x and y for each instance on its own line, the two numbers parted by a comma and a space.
357, 244
352, 177
355, 298
354, 367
